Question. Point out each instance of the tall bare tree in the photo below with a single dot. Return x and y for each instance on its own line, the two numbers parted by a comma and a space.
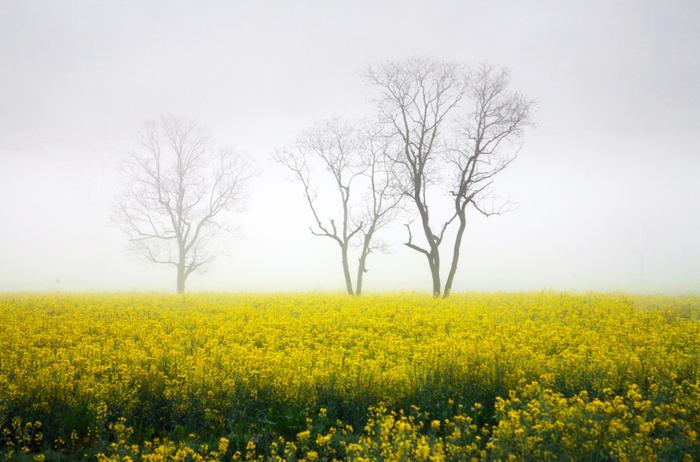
347, 160
417, 96
176, 195
421, 101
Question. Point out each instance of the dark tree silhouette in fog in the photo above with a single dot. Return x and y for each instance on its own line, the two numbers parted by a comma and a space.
177, 194
454, 126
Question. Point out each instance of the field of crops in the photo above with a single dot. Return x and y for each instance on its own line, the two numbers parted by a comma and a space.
540, 376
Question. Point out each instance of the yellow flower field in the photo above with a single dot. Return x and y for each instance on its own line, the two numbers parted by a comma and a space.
536, 376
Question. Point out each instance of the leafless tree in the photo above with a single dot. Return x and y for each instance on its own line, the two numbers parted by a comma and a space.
484, 148
176, 195
421, 101
417, 95
333, 144
382, 196
352, 160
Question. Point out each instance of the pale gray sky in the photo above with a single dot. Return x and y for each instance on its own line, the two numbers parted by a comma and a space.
608, 177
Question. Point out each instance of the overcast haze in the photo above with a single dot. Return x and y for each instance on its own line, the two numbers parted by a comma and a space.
607, 180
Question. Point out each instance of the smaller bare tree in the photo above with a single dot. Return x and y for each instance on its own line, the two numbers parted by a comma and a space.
333, 144
176, 195
351, 160
382, 194
484, 148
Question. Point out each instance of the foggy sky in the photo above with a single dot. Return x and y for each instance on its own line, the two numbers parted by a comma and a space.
607, 181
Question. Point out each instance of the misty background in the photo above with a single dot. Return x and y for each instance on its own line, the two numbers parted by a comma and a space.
607, 181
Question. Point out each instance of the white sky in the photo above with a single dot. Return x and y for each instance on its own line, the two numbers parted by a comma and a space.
606, 180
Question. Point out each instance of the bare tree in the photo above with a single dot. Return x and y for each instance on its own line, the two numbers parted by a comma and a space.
334, 145
382, 197
484, 148
417, 95
176, 194
421, 102
346, 156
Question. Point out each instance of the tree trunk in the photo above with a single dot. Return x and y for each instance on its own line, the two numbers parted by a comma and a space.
346, 269
181, 271
180, 278
360, 274
434, 263
362, 268
455, 256
434, 253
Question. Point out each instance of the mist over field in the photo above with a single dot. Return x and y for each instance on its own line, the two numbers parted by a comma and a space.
606, 179
409, 231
